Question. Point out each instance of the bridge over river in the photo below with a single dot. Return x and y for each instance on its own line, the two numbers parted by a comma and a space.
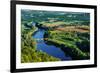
40, 39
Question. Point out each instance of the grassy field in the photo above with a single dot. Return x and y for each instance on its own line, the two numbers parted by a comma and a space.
53, 24
81, 29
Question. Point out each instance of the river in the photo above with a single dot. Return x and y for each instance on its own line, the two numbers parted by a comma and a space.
49, 49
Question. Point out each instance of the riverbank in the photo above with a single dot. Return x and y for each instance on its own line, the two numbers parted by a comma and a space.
29, 53
72, 50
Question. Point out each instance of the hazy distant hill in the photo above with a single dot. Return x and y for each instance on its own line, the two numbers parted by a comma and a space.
39, 16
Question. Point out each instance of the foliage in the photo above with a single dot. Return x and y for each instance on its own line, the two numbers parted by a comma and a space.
28, 48
67, 30
75, 43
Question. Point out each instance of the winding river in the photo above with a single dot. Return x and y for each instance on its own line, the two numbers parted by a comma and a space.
49, 49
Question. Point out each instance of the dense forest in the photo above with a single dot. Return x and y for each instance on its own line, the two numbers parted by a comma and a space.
69, 31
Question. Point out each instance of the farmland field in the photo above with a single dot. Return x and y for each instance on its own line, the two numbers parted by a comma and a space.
54, 36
